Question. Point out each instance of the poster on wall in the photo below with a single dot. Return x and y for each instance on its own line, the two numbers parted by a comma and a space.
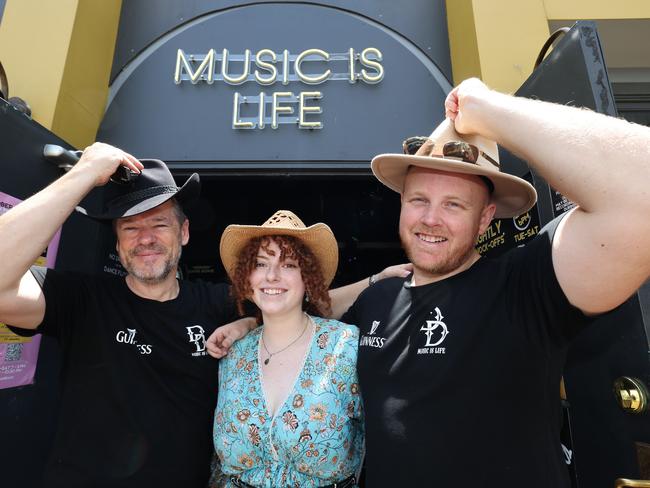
505, 234
561, 204
19, 355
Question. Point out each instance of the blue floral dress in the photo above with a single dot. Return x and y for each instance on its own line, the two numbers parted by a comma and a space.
316, 435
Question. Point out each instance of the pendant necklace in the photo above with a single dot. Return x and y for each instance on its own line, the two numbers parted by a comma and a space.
271, 354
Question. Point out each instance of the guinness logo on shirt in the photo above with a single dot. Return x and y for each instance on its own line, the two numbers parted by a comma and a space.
375, 324
371, 340
128, 337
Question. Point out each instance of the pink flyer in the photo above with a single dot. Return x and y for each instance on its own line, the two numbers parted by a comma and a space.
19, 355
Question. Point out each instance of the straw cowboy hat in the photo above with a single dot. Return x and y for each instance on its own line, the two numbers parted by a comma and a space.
446, 150
139, 193
319, 238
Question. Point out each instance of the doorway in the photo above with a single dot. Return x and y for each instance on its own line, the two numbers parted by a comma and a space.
362, 213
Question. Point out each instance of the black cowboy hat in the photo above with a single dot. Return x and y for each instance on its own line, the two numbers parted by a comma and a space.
139, 193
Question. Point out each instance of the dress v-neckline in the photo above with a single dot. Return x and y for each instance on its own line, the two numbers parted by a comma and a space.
260, 376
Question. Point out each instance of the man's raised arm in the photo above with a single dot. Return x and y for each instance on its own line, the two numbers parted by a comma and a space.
27, 229
600, 250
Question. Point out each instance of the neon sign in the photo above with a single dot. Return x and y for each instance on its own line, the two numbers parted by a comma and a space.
266, 68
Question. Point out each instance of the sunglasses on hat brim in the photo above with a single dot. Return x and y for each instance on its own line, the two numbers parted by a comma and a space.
462, 150
466, 152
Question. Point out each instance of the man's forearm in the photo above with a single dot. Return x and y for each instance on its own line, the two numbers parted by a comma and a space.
597, 161
27, 229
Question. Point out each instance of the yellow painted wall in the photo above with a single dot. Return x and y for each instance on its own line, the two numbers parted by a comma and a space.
504, 35
58, 56
463, 42
499, 40
597, 9
508, 48
33, 54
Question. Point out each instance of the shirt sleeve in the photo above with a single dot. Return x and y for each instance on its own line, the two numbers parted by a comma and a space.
355, 392
353, 400
66, 298
350, 316
226, 365
348, 358
535, 293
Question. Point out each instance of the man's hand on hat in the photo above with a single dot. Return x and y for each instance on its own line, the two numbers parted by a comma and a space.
462, 106
220, 341
102, 160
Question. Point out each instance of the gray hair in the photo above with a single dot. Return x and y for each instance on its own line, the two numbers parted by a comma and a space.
176, 208
178, 211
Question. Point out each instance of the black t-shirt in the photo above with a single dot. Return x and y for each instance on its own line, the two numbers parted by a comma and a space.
139, 389
460, 378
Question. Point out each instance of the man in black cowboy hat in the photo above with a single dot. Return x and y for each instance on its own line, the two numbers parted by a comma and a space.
139, 388
460, 364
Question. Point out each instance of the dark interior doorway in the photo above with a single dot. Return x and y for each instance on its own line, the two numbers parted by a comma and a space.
362, 213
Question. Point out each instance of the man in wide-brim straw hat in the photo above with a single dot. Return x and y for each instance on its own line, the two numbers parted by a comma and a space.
460, 364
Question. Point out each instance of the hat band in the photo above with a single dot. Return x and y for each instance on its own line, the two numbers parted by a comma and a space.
142, 194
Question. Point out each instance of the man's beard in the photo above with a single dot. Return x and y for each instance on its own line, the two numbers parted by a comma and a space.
444, 265
155, 275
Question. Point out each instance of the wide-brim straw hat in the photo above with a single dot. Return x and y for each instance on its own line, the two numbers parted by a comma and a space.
512, 195
152, 187
319, 238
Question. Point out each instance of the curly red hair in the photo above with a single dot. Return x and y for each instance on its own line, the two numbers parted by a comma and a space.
319, 302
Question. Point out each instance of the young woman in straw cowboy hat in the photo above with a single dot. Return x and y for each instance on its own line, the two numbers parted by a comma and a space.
289, 411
